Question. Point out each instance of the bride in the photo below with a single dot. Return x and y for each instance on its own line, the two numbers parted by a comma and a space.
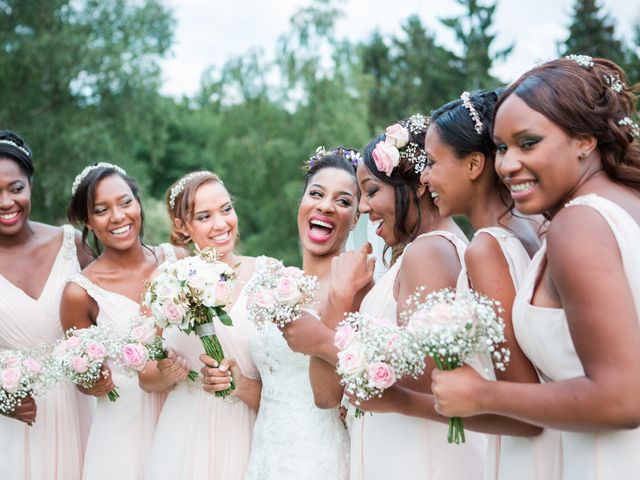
292, 438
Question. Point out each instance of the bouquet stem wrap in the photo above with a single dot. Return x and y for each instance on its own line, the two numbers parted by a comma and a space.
212, 347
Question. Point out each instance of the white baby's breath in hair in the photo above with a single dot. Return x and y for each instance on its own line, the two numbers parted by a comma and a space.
634, 128
178, 188
81, 176
614, 82
468, 104
584, 61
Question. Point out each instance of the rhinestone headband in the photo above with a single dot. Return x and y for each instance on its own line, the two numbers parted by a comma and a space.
14, 144
178, 188
81, 176
468, 104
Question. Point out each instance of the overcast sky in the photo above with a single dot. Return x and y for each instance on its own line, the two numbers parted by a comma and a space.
208, 32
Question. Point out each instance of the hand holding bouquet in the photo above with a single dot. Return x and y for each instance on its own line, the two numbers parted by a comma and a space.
374, 355
278, 294
21, 375
454, 329
189, 294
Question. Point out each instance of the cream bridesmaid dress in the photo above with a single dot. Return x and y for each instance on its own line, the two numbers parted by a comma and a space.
508, 457
390, 445
199, 435
53, 448
122, 431
543, 334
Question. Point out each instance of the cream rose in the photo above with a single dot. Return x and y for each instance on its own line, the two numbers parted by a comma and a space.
397, 135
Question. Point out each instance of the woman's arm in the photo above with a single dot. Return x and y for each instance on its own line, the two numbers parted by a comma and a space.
217, 378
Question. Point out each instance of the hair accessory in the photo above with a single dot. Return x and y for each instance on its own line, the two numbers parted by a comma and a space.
417, 124
634, 128
584, 61
398, 146
81, 176
613, 80
14, 144
468, 104
352, 155
178, 188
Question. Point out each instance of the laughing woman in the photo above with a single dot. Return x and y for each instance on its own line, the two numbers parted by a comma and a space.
106, 202
35, 261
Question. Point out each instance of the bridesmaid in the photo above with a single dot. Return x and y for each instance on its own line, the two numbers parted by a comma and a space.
35, 261
462, 180
389, 444
106, 202
568, 149
199, 435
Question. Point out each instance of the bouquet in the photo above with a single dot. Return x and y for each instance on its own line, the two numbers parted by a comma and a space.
80, 356
21, 375
454, 329
374, 355
140, 345
189, 294
278, 293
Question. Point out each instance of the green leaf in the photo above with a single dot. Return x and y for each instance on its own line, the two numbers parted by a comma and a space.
224, 317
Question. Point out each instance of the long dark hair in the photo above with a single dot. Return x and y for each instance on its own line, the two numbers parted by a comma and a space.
83, 201
587, 100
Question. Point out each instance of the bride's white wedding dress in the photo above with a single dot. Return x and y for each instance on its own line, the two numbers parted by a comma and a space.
292, 438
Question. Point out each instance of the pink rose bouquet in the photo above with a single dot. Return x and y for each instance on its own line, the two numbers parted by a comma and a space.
21, 375
191, 294
278, 294
374, 355
454, 329
80, 356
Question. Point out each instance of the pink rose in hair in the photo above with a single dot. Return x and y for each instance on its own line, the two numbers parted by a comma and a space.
386, 157
381, 375
10, 379
397, 135
173, 313
345, 335
134, 356
96, 351
80, 364
34, 367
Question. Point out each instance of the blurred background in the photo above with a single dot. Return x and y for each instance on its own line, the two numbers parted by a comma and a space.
250, 90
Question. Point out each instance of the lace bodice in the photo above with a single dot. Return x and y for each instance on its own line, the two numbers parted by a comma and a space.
293, 439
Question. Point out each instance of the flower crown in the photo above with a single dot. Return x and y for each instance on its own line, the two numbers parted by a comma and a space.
397, 145
178, 188
81, 176
352, 155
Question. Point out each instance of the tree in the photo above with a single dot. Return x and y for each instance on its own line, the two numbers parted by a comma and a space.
473, 32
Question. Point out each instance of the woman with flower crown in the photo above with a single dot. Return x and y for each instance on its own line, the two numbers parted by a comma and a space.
567, 148
47, 440
462, 180
106, 202
388, 444
200, 435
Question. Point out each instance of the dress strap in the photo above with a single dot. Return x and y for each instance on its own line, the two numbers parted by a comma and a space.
69, 242
169, 252
92, 289
498, 233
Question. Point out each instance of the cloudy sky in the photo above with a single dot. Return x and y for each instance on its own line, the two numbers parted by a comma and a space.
210, 31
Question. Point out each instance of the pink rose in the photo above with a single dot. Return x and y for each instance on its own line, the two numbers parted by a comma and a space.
439, 314
397, 135
381, 375
80, 364
294, 272
72, 342
263, 298
96, 351
143, 333
134, 356
345, 334
223, 293
34, 367
173, 313
351, 362
11, 361
10, 379
386, 157
287, 291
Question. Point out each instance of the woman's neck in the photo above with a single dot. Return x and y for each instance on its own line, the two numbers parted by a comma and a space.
126, 259
486, 209
20, 238
318, 265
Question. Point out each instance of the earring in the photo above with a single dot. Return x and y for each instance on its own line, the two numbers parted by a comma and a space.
582, 155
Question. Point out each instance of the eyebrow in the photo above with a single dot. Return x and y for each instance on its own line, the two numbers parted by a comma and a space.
317, 185
117, 199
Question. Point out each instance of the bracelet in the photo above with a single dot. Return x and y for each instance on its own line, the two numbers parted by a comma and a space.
231, 399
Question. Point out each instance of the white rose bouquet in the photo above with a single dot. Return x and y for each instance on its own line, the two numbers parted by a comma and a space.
189, 294
278, 294
80, 356
21, 375
454, 329
374, 355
